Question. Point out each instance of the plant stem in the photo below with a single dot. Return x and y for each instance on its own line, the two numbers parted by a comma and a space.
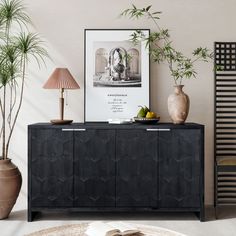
19, 106
159, 28
2, 117
4, 154
1, 132
150, 15
12, 102
10, 105
1, 106
193, 61
7, 32
169, 60
4, 125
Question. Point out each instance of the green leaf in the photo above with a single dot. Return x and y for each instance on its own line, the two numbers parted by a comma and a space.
148, 8
156, 12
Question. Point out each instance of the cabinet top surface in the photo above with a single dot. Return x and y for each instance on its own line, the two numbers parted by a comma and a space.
105, 125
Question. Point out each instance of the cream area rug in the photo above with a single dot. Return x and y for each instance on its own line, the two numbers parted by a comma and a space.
104, 229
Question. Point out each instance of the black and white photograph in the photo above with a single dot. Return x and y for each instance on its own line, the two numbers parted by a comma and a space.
116, 74
117, 64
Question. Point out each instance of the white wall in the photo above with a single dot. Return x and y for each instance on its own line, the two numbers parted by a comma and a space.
192, 23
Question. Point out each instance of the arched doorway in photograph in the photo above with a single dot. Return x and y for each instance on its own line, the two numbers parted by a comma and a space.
101, 60
134, 61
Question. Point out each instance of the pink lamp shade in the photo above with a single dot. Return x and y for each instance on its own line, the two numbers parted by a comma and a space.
61, 78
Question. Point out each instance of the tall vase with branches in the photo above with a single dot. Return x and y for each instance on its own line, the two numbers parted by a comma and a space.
18, 47
161, 49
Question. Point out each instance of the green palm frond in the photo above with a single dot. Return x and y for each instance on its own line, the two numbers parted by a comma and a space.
8, 53
2, 35
29, 46
9, 75
13, 11
9, 65
5, 74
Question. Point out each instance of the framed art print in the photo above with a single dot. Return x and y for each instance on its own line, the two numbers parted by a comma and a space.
116, 74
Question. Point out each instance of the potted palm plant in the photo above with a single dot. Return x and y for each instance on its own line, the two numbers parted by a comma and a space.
161, 49
17, 48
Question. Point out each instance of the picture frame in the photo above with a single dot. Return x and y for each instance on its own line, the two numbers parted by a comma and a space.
117, 74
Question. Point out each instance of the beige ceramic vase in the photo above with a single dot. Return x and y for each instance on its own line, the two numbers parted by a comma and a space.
10, 185
178, 105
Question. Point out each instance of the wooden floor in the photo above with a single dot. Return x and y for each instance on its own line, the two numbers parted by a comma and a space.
16, 224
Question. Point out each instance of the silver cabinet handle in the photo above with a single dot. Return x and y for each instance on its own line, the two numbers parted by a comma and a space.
152, 130
163, 129
157, 130
73, 129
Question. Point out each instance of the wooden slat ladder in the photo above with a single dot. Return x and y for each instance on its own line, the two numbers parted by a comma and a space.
225, 124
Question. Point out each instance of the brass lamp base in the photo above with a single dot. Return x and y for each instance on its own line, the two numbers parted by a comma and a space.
61, 122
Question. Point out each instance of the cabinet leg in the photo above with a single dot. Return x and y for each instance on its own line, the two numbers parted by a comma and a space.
201, 215
216, 212
31, 215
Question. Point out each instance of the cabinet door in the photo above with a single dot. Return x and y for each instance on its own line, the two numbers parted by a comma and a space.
136, 154
94, 168
179, 155
51, 168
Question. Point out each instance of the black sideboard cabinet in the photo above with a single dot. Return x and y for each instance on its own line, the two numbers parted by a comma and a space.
103, 167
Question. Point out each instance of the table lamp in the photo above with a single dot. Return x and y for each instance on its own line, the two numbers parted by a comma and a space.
61, 79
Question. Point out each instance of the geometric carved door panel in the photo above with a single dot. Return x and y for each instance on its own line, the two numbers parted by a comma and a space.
51, 168
179, 168
136, 168
94, 168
